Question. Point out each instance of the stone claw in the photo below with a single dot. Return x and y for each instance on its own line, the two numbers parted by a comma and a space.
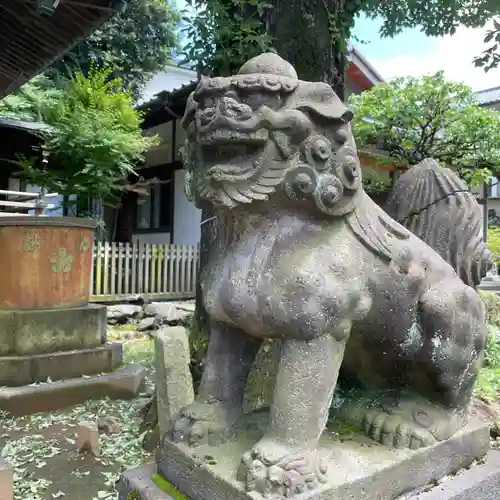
203, 423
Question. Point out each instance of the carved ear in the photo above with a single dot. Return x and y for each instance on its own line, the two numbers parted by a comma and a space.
318, 98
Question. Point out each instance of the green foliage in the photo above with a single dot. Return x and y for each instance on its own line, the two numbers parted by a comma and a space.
96, 139
490, 58
494, 242
488, 384
225, 33
492, 302
492, 349
435, 17
429, 117
136, 44
30, 100
375, 184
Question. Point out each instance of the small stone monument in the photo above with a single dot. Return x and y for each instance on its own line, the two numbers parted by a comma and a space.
381, 339
174, 385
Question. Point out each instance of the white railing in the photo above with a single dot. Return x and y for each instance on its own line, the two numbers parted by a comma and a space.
33, 201
123, 271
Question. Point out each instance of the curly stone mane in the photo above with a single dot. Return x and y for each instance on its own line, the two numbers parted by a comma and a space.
436, 205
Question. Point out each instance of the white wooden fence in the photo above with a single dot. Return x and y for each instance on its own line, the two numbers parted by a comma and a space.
123, 270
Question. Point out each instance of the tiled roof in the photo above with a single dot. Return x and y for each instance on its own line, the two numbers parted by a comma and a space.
488, 96
173, 79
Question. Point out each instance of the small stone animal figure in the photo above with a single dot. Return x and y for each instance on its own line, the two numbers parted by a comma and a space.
304, 255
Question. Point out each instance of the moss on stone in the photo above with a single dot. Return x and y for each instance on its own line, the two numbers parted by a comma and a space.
134, 495
168, 487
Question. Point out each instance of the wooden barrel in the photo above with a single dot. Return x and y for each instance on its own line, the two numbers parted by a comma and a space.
45, 262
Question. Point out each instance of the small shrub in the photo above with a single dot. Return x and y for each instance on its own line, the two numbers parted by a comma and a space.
492, 349
494, 243
492, 303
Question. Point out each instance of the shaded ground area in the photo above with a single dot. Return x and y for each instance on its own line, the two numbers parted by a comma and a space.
42, 447
47, 466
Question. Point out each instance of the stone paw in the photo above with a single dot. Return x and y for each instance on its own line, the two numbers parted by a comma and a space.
393, 430
204, 423
273, 469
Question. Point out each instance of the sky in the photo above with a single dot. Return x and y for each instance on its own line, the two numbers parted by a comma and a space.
413, 54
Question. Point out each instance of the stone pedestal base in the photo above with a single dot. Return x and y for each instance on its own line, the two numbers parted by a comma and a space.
42, 331
360, 469
17, 371
124, 383
481, 482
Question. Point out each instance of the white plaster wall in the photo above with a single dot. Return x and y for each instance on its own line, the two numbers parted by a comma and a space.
187, 217
151, 238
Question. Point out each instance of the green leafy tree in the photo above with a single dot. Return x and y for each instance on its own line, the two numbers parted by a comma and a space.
95, 140
490, 58
429, 117
29, 101
312, 34
136, 44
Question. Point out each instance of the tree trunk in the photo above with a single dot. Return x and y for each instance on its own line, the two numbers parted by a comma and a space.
302, 31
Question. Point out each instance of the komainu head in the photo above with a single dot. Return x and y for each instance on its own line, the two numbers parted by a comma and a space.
264, 133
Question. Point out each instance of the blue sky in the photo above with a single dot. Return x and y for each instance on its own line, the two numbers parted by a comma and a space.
413, 54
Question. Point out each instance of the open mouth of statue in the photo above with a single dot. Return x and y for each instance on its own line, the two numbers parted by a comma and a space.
228, 137
235, 159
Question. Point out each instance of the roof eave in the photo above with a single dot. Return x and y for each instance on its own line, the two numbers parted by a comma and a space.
364, 66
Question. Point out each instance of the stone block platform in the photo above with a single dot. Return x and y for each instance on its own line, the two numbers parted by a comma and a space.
25, 370
360, 468
123, 383
39, 331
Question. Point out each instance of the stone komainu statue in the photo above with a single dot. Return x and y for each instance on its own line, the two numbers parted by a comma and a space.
436, 205
369, 316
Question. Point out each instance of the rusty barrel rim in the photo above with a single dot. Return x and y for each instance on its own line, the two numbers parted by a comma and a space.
48, 221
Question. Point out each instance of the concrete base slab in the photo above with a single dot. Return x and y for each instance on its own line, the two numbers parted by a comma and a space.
24, 370
480, 482
359, 467
124, 383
